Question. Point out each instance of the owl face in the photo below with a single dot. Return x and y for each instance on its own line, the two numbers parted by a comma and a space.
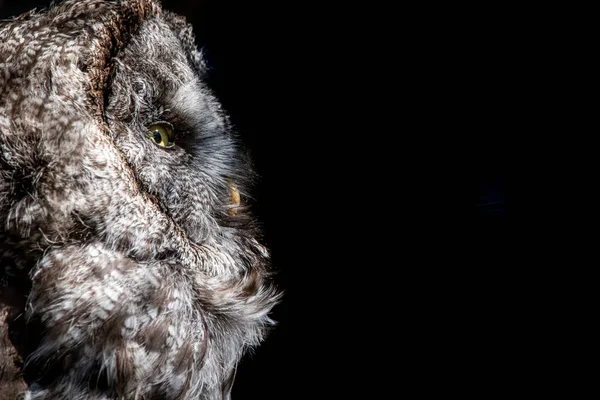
175, 137
124, 196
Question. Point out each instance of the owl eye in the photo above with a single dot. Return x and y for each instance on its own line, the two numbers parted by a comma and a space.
162, 134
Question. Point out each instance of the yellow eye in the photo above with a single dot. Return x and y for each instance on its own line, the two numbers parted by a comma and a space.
162, 134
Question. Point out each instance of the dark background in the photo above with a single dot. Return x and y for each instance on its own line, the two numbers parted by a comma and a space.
250, 47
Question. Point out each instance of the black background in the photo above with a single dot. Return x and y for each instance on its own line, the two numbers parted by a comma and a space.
253, 55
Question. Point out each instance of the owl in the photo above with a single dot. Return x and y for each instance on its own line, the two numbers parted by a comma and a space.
131, 264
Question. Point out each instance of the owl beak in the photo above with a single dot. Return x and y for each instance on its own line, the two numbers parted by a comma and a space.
235, 198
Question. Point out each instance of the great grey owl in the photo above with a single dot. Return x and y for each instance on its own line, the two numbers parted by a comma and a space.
126, 224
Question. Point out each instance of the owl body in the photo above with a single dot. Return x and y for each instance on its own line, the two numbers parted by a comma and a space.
123, 192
